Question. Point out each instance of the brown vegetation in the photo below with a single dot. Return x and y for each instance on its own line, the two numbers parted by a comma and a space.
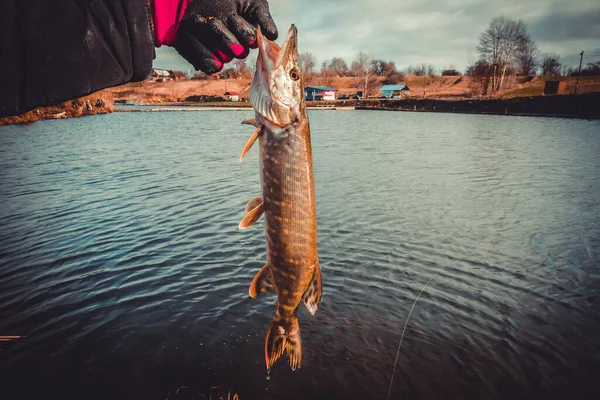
535, 87
98, 103
174, 91
434, 87
431, 86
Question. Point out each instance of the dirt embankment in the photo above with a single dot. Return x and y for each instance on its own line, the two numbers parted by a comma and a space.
98, 103
442, 87
567, 106
430, 87
173, 91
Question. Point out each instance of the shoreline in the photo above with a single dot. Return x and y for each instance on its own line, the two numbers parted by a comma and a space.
576, 106
97, 103
582, 106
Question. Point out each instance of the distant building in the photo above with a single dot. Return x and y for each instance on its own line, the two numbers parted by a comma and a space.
232, 96
319, 93
395, 91
555, 87
161, 75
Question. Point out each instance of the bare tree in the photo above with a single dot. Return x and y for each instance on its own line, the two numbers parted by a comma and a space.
251, 63
390, 69
592, 69
229, 73
418, 70
481, 73
242, 69
499, 45
387, 69
338, 66
550, 65
431, 71
362, 68
378, 66
383, 68
527, 55
325, 70
307, 62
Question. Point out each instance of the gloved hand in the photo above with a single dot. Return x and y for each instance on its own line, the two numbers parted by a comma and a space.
210, 33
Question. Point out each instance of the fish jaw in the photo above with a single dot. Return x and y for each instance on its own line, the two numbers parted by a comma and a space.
277, 91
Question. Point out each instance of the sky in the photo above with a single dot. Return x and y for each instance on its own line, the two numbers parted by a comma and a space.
409, 32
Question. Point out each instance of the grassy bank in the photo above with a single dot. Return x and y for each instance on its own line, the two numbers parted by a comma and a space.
587, 84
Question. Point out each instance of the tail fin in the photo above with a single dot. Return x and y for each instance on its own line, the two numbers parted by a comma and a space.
284, 336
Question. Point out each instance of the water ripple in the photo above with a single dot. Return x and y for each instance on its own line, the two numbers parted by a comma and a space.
122, 264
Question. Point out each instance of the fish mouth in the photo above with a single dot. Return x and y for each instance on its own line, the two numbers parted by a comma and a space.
289, 50
270, 55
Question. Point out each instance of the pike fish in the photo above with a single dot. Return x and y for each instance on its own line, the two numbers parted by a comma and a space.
288, 196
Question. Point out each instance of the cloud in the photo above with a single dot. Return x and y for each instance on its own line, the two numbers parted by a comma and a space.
439, 32
567, 26
168, 58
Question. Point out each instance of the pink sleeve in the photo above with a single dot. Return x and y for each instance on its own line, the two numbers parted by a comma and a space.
167, 19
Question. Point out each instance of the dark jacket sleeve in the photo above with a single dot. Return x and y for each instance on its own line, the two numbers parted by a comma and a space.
53, 51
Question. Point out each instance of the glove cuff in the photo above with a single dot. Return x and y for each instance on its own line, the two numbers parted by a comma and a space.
167, 16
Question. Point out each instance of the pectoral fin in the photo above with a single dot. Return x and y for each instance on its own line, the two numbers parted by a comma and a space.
250, 142
252, 204
252, 216
261, 282
312, 295
251, 121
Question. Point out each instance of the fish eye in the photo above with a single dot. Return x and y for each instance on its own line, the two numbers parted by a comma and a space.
294, 74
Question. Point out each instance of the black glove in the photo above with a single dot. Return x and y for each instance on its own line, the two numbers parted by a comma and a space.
213, 32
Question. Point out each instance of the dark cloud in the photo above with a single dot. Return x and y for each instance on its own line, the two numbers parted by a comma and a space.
567, 26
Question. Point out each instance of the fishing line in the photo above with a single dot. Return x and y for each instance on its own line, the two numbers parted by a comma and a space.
406, 324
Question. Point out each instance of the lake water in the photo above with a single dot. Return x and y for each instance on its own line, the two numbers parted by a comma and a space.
122, 264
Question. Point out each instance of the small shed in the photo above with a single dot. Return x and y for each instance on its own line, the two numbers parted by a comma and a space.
320, 93
555, 87
232, 96
395, 91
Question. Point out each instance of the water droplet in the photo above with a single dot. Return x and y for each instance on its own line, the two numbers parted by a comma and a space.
268, 376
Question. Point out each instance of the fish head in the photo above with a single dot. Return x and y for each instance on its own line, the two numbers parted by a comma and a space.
277, 91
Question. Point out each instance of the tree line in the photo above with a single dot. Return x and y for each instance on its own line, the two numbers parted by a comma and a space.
506, 49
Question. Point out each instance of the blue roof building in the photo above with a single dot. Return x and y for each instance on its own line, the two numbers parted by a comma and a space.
395, 91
